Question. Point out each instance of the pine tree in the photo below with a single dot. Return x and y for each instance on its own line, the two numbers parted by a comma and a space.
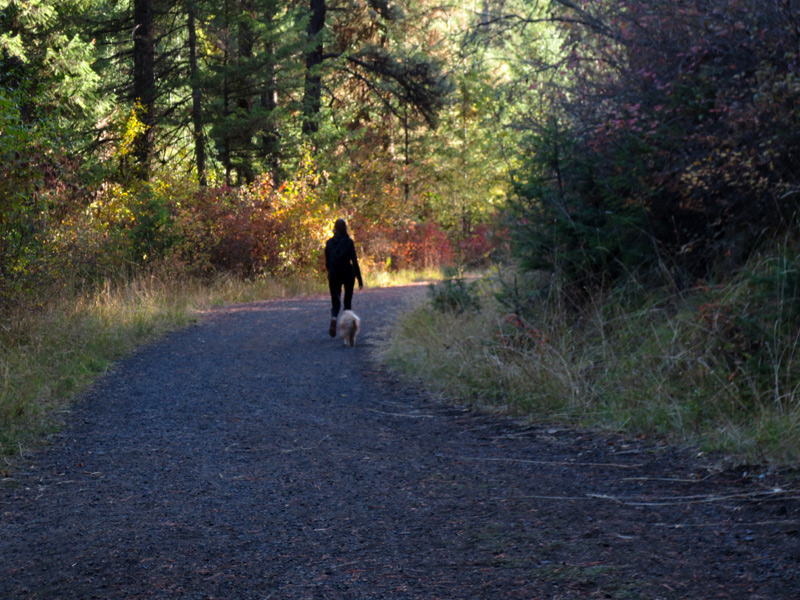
45, 55
144, 82
197, 109
252, 79
312, 97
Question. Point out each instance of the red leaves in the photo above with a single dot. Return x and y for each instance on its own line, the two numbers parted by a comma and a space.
670, 91
516, 333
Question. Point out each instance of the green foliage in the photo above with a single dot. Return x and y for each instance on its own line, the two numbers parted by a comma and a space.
149, 233
777, 291
569, 217
454, 295
17, 217
754, 326
46, 54
251, 69
40, 184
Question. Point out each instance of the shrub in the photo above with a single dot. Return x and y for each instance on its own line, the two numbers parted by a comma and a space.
250, 231
671, 142
38, 189
477, 247
420, 245
454, 295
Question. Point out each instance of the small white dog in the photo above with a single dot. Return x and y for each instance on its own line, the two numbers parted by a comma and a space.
349, 324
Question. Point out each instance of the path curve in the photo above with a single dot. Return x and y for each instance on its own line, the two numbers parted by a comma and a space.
252, 457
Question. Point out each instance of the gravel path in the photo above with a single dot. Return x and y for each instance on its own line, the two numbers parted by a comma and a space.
251, 457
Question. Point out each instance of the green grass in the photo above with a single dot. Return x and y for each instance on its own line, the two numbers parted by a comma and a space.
712, 367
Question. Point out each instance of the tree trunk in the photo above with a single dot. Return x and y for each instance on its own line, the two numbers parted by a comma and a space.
197, 114
144, 82
312, 99
226, 138
270, 137
270, 141
242, 86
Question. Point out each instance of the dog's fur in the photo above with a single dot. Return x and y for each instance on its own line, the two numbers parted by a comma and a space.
349, 324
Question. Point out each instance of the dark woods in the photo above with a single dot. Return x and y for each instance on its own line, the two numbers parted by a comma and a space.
651, 138
669, 142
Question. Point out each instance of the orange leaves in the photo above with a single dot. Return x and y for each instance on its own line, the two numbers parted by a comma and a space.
516, 333
259, 228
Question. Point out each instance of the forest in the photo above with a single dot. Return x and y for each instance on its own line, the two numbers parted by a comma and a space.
625, 170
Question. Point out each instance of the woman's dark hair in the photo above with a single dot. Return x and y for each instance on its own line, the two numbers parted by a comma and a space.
340, 227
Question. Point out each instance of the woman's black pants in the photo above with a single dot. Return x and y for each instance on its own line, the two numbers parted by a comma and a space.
335, 283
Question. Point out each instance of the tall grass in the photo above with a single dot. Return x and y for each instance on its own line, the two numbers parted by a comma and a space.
51, 350
380, 277
489, 358
717, 366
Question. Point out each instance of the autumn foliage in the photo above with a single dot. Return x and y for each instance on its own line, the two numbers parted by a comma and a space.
177, 227
251, 230
673, 142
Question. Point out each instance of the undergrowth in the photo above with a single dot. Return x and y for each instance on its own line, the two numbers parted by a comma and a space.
717, 365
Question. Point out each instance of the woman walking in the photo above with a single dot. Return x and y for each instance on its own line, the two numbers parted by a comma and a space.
343, 271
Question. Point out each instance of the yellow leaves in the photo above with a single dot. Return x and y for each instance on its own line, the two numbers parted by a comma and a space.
725, 166
111, 207
132, 130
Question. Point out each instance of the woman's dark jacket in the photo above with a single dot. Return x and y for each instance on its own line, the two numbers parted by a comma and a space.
340, 258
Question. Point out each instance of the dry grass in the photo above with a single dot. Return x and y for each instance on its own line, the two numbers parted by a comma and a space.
379, 277
693, 368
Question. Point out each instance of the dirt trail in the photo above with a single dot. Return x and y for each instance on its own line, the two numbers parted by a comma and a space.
252, 457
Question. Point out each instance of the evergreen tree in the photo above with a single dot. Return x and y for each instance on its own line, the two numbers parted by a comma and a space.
252, 83
143, 60
45, 55
144, 82
47, 100
312, 98
197, 109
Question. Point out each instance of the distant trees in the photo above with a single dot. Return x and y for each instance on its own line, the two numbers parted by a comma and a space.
249, 81
107, 105
237, 84
246, 78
